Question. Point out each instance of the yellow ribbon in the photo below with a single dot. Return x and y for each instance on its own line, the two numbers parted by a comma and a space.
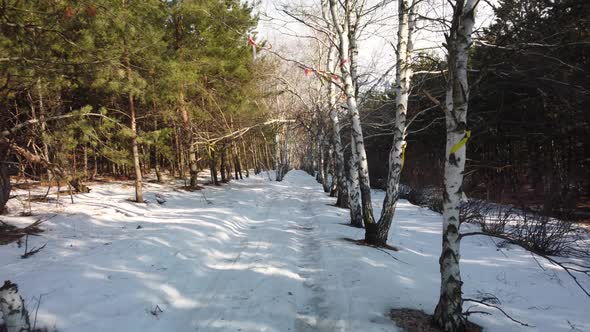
461, 143
210, 149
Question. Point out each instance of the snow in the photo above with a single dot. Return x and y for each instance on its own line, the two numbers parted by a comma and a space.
259, 255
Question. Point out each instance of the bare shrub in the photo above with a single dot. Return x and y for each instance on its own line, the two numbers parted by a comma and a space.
491, 218
496, 220
429, 197
534, 231
474, 211
543, 234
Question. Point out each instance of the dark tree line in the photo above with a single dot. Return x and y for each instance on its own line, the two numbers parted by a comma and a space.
528, 111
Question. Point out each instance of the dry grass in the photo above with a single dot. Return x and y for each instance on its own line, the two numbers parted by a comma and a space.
10, 233
412, 320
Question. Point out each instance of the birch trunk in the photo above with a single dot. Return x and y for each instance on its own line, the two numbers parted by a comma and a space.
448, 313
354, 192
320, 161
332, 169
377, 234
336, 138
12, 308
5, 186
359, 153
326, 163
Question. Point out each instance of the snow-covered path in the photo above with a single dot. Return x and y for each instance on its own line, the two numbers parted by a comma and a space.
259, 255
242, 257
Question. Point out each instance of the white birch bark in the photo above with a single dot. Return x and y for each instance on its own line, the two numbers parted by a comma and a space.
321, 177
448, 313
12, 307
359, 153
354, 195
378, 235
326, 164
340, 166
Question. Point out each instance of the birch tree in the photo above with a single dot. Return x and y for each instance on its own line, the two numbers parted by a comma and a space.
449, 312
348, 186
343, 188
359, 155
377, 233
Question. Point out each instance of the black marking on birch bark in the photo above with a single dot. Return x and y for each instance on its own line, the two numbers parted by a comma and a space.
451, 228
460, 189
453, 160
461, 127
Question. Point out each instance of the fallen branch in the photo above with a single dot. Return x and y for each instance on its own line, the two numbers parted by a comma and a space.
33, 251
482, 302
38, 160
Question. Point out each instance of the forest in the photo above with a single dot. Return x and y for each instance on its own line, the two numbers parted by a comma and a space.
318, 165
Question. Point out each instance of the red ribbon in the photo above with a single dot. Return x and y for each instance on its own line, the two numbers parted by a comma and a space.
251, 41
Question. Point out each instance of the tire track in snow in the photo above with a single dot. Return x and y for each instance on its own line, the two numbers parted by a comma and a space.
316, 315
256, 253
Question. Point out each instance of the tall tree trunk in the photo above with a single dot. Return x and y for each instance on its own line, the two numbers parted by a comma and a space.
213, 165
156, 155
95, 169
238, 161
188, 138
267, 154
360, 154
134, 146
223, 166
378, 234
449, 311
85, 147
285, 156
343, 199
245, 154
354, 190
43, 125
157, 166
255, 157
343, 190
277, 158
179, 152
5, 186
332, 170
320, 160
326, 166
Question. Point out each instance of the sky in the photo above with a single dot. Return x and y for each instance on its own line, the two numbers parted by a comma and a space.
376, 53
